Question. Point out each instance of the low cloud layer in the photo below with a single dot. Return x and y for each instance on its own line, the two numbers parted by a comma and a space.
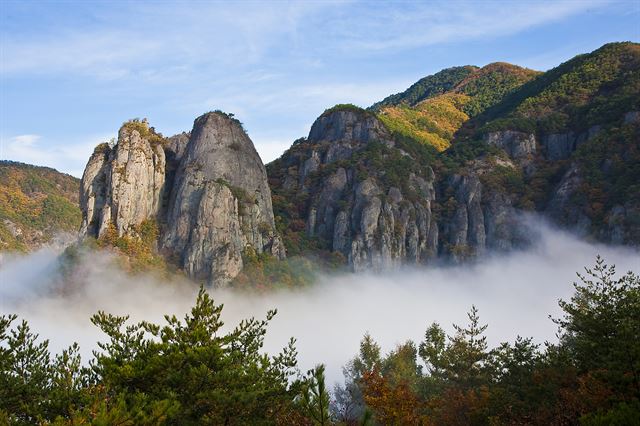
514, 293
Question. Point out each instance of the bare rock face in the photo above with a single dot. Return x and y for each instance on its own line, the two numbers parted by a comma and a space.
346, 127
353, 206
207, 190
561, 207
93, 190
483, 219
123, 186
466, 230
368, 197
569, 209
517, 145
221, 202
560, 146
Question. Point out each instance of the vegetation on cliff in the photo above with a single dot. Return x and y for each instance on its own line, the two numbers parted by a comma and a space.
436, 107
591, 89
146, 132
36, 203
193, 372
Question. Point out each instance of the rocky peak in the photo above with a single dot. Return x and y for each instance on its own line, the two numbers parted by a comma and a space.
347, 124
207, 191
123, 186
518, 145
220, 203
361, 196
176, 145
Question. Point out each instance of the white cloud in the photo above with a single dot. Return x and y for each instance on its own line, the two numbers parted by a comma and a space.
514, 293
24, 140
67, 157
141, 39
427, 24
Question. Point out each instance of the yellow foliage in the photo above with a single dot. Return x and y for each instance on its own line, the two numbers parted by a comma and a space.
433, 121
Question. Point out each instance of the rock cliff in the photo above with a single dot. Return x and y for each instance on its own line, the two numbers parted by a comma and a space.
437, 173
206, 190
122, 186
375, 199
221, 202
351, 198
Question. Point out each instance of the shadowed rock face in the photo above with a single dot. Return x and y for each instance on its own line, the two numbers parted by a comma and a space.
208, 190
342, 172
221, 202
517, 145
350, 206
122, 186
482, 220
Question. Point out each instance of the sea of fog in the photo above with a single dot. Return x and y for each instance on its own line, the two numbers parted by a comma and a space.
515, 295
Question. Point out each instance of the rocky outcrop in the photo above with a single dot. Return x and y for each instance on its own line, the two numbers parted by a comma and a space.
569, 207
518, 145
352, 204
93, 190
207, 190
479, 219
346, 128
560, 146
221, 202
561, 206
123, 186
365, 196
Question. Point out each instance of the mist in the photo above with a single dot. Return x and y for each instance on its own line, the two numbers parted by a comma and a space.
514, 293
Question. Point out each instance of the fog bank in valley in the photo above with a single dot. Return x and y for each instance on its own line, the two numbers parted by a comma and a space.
515, 294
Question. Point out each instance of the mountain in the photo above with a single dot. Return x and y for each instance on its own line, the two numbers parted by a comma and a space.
37, 204
433, 109
582, 122
443, 170
354, 189
200, 200
428, 87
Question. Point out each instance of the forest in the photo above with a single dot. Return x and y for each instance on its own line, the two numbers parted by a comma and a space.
191, 371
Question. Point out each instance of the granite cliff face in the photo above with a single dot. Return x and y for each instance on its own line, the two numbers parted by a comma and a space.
476, 217
348, 204
363, 194
440, 172
206, 190
221, 202
122, 186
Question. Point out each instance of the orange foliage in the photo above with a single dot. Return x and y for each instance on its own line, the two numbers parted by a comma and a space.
391, 404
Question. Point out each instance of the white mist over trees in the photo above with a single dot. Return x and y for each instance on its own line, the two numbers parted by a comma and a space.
514, 295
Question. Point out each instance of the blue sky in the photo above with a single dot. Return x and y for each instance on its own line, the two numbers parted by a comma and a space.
73, 71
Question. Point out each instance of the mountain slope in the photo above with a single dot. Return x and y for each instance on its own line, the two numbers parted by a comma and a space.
351, 188
36, 204
571, 135
582, 118
199, 201
432, 110
591, 89
428, 87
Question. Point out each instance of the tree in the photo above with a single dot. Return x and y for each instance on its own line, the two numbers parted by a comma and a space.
24, 373
315, 397
392, 404
184, 372
600, 329
212, 377
348, 406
